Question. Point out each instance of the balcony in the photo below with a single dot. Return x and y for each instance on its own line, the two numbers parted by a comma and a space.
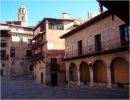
38, 43
89, 50
37, 56
39, 35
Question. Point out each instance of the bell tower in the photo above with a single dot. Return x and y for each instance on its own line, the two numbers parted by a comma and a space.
22, 15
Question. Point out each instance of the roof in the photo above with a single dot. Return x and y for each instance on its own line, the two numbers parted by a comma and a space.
14, 21
118, 7
29, 27
88, 23
51, 19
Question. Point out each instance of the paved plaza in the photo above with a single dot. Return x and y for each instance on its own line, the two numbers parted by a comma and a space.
29, 89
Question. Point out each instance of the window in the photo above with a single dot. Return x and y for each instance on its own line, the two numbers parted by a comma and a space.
12, 53
3, 64
3, 43
56, 25
124, 34
29, 41
80, 47
21, 40
3, 53
31, 67
28, 53
54, 65
22, 18
98, 45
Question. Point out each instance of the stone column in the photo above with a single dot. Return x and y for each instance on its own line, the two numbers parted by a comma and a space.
78, 74
9, 69
109, 77
67, 72
91, 75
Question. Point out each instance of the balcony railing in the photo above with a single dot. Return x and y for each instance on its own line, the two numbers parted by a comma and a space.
38, 43
38, 56
90, 49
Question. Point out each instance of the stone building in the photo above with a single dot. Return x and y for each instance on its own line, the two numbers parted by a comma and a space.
5, 38
14, 46
48, 49
96, 52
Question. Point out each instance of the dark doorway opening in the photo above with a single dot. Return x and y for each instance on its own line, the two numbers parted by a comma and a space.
1, 72
41, 78
31, 67
54, 71
54, 79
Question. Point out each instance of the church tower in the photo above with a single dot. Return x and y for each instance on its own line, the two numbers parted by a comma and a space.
22, 15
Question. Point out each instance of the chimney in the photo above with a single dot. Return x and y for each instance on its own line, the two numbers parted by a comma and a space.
100, 8
65, 16
89, 15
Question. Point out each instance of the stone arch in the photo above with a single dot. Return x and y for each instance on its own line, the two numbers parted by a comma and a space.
84, 72
120, 70
100, 71
73, 72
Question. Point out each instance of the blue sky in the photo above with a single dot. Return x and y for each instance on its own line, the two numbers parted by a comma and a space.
38, 9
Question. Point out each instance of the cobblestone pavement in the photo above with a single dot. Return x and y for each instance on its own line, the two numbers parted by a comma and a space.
29, 89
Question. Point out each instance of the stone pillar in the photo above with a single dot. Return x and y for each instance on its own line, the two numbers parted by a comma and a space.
91, 75
78, 74
109, 77
9, 69
67, 72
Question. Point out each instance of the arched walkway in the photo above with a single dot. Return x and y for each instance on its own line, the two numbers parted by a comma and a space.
100, 72
84, 73
120, 71
73, 72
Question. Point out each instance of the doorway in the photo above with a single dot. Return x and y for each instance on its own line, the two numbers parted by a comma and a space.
41, 78
1, 72
54, 79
